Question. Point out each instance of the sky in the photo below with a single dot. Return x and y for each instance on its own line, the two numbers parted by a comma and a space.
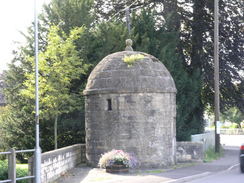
15, 16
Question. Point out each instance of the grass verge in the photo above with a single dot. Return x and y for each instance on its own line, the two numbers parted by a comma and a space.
210, 155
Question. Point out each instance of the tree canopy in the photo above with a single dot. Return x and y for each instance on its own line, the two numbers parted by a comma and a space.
76, 34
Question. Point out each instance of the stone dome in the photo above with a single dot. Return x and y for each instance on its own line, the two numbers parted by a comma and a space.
113, 75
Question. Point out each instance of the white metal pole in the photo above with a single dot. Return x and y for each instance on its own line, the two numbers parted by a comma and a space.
216, 73
37, 148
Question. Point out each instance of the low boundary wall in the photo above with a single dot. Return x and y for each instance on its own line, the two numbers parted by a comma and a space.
57, 162
189, 152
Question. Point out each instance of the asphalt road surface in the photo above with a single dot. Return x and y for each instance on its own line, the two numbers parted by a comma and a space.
223, 170
229, 176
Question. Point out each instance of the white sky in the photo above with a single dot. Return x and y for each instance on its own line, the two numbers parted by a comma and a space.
15, 16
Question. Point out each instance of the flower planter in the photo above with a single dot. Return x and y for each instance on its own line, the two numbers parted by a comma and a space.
117, 169
117, 161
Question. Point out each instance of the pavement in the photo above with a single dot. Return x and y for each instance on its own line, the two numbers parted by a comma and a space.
176, 174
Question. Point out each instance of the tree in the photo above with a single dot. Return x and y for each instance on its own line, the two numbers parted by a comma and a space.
234, 115
19, 118
16, 119
91, 45
59, 66
177, 32
189, 119
193, 20
197, 44
163, 42
157, 31
68, 14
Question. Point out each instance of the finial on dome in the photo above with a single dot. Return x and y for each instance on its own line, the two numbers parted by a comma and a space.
128, 43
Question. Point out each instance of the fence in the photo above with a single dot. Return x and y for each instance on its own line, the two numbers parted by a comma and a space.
207, 138
12, 165
235, 131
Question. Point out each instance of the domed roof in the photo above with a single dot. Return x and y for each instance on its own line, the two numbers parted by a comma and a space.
145, 74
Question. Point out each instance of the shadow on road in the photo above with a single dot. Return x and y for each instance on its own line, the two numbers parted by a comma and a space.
83, 174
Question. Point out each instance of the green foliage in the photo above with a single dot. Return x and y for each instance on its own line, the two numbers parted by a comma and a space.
130, 60
210, 155
163, 44
75, 36
21, 171
3, 170
106, 38
15, 124
71, 129
234, 126
82, 46
18, 118
145, 36
233, 115
193, 21
59, 65
68, 14
188, 120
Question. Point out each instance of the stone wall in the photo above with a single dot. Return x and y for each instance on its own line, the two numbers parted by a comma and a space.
140, 123
57, 162
189, 151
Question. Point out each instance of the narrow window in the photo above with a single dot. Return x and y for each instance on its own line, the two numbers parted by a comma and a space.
109, 101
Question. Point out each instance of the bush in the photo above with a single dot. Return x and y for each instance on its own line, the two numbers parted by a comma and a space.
20, 171
3, 169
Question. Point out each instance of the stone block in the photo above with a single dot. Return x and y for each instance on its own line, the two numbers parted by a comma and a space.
189, 151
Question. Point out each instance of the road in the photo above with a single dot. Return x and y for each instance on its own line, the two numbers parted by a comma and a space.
223, 170
228, 176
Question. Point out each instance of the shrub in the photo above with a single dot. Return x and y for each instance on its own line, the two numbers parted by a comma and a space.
20, 171
211, 155
130, 60
3, 169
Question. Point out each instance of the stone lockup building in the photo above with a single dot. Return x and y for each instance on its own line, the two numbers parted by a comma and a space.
131, 105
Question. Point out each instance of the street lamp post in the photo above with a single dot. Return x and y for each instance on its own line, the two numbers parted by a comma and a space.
37, 148
216, 73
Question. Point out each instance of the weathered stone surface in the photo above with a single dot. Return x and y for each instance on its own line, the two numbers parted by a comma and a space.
189, 151
57, 162
141, 118
112, 75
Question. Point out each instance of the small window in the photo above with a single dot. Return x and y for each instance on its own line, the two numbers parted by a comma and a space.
109, 101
